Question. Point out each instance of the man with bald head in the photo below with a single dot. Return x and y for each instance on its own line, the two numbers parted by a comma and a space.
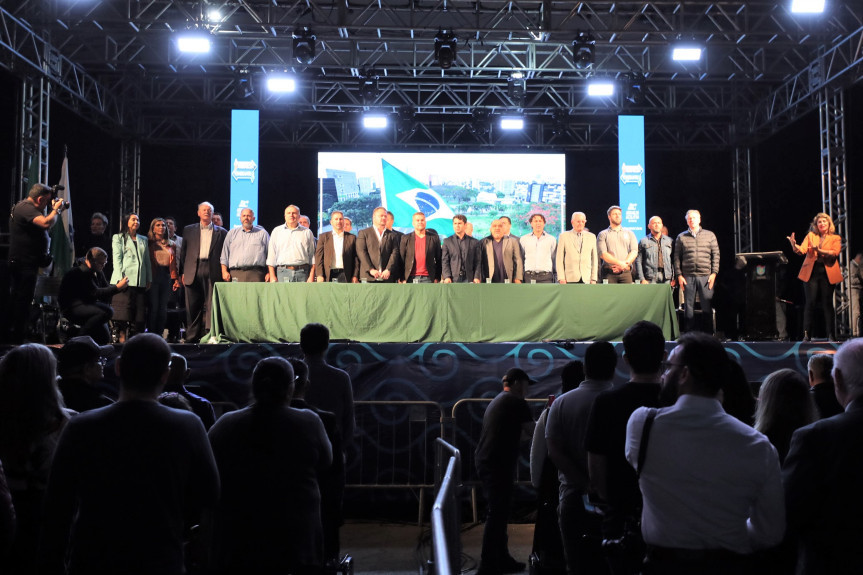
244, 253
200, 268
823, 473
654, 264
500, 256
291, 254
577, 260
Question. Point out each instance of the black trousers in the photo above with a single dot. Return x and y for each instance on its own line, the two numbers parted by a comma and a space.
199, 297
497, 488
819, 285
93, 319
22, 287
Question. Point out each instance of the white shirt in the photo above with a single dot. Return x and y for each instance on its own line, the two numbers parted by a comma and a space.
539, 252
206, 240
339, 248
291, 246
709, 481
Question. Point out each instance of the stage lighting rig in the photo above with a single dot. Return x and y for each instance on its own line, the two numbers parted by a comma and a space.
445, 48
515, 88
583, 50
304, 45
368, 84
635, 89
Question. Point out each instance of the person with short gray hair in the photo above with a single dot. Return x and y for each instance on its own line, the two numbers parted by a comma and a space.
823, 474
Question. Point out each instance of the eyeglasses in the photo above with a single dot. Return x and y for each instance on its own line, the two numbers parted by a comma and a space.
667, 365
101, 361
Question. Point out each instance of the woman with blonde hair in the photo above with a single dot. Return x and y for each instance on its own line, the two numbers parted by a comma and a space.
820, 271
163, 263
32, 416
785, 404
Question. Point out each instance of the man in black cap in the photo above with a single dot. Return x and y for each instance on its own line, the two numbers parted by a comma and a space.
506, 421
81, 362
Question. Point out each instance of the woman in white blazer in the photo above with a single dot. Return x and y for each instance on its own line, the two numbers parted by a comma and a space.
131, 259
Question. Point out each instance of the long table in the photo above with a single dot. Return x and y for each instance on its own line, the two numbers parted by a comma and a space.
380, 313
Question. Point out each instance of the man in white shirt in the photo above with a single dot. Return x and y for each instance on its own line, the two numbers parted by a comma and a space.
711, 484
291, 255
540, 250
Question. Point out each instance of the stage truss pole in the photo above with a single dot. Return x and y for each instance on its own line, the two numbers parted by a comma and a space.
742, 200
130, 177
834, 197
34, 124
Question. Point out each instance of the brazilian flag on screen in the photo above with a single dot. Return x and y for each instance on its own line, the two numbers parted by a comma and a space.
404, 195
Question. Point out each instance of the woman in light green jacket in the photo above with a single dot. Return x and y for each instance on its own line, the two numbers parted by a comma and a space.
131, 259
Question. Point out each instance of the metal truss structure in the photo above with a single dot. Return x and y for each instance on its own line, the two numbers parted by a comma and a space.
834, 193
117, 62
742, 171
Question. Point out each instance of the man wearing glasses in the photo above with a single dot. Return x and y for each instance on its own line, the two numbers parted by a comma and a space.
84, 292
81, 364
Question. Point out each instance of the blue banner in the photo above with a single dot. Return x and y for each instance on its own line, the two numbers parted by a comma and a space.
244, 164
630, 155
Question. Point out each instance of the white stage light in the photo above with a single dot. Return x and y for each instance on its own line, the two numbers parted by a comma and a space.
686, 54
281, 84
807, 6
511, 123
375, 121
194, 44
600, 88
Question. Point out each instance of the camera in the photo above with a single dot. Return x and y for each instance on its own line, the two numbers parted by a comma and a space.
54, 191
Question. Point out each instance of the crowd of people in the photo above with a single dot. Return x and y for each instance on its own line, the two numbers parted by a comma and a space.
92, 484
673, 473
145, 275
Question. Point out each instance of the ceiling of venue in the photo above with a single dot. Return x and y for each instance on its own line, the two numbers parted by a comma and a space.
118, 62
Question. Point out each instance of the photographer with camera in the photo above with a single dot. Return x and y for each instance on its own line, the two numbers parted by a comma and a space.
28, 251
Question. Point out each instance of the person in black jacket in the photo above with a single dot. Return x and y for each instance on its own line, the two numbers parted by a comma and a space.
82, 296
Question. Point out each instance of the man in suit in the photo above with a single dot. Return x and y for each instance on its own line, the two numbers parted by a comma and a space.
200, 268
823, 474
420, 253
501, 257
577, 261
336, 253
460, 255
378, 250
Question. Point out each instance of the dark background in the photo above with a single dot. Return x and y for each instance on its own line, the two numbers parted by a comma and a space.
786, 182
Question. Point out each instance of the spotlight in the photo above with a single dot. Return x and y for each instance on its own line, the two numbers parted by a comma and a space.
479, 123
304, 45
515, 88
243, 87
686, 52
375, 121
600, 88
511, 123
807, 6
281, 84
583, 50
407, 125
194, 43
559, 123
635, 92
445, 48
368, 84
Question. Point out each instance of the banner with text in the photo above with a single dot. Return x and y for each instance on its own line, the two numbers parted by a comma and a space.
244, 164
630, 157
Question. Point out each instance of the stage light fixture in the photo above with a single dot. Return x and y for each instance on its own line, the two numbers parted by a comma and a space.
407, 125
515, 88
194, 43
375, 121
686, 52
243, 87
559, 123
583, 50
635, 88
445, 48
479, 123
281, 84
807, 6
511, 123
304, 45
214, 15
600, 88
368, 84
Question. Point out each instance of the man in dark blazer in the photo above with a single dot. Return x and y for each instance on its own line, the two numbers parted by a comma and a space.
200, 270
460, 255
427, 269
378, 250
511, 265
823, 474
326, 265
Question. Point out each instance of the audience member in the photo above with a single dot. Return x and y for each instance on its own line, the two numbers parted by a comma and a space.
611, 477
84, 295
7, 518
126, 476
270, 456
566, 431
821, 384
823, 473
736, 397
331, 482
711, 484
131, 260
507, 419
784, 405
177, 378
165, 272
330, 388
174, 400
81, 362
31, 419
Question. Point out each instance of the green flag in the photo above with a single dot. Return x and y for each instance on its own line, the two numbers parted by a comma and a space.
62, 248
404, 195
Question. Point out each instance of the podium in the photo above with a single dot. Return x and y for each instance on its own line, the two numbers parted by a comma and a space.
761, 270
